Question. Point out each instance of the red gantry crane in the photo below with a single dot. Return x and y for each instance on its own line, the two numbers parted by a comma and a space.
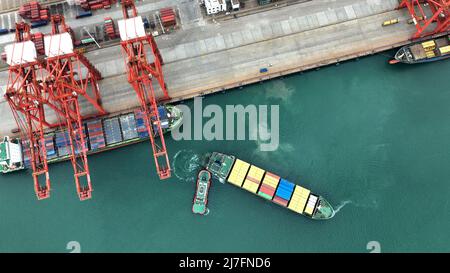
438, 22
27, 97
71, 76
136, 44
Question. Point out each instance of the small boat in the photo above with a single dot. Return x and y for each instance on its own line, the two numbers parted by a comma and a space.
201, 193
423, 52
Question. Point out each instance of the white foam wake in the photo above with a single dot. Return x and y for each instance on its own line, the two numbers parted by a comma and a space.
341, 205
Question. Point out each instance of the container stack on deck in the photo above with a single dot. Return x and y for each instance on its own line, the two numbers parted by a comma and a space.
26, 153
429, 47
168, 18
110, 28
77, 143
62, 143
162, 118
284, 192
34, 12
113, 132
269, 185
96, 4
273, 188
96, 136
128, 125
140, 124
50, 146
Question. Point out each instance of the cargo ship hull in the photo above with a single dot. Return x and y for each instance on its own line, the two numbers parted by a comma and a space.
101, 134
268, 186
425, 52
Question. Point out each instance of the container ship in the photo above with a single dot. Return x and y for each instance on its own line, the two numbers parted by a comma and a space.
422, 52
101, 135
227, 168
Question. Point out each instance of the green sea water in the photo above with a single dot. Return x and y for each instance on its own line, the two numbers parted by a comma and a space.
372, 138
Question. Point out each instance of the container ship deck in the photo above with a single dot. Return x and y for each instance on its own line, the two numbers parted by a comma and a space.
427, 51
101, 135
268, 186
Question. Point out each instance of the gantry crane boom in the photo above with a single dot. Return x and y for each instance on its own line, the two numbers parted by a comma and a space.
135, 45
438, 22
70, 76
26, 96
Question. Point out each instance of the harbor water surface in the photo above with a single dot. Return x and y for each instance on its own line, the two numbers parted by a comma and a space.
371, 138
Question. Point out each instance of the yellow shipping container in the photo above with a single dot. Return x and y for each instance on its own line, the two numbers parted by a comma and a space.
445, 49
430, 54
238, 172
298, 199
390, 22
429, 45
309, 210
253, 179
271, 180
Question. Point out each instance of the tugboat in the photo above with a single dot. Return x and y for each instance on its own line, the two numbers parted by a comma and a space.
201, 193
228, 168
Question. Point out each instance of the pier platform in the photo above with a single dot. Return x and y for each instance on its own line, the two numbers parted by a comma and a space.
206, 56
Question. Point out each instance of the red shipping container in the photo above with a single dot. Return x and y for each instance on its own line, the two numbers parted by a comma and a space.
280, 201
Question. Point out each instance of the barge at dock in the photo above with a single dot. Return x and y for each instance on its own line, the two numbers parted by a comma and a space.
101, 134
423, 52
269, 186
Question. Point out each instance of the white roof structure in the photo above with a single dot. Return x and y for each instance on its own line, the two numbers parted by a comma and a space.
20, 53
131, 28
57, 45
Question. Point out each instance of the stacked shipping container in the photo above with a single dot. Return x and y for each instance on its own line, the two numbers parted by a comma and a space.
299, 198
26, 153
62, 143
272, 187
284, 192
269, 185
78, 141
113, 133
167, 16
140, 124
96, 4
100, 133
38, 40
50, 146
110, 28
238, 173
34, 12
96, 136
253, 179
128, 124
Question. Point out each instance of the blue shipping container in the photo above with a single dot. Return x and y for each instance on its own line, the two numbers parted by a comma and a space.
39, 24
83, 14
285, 189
